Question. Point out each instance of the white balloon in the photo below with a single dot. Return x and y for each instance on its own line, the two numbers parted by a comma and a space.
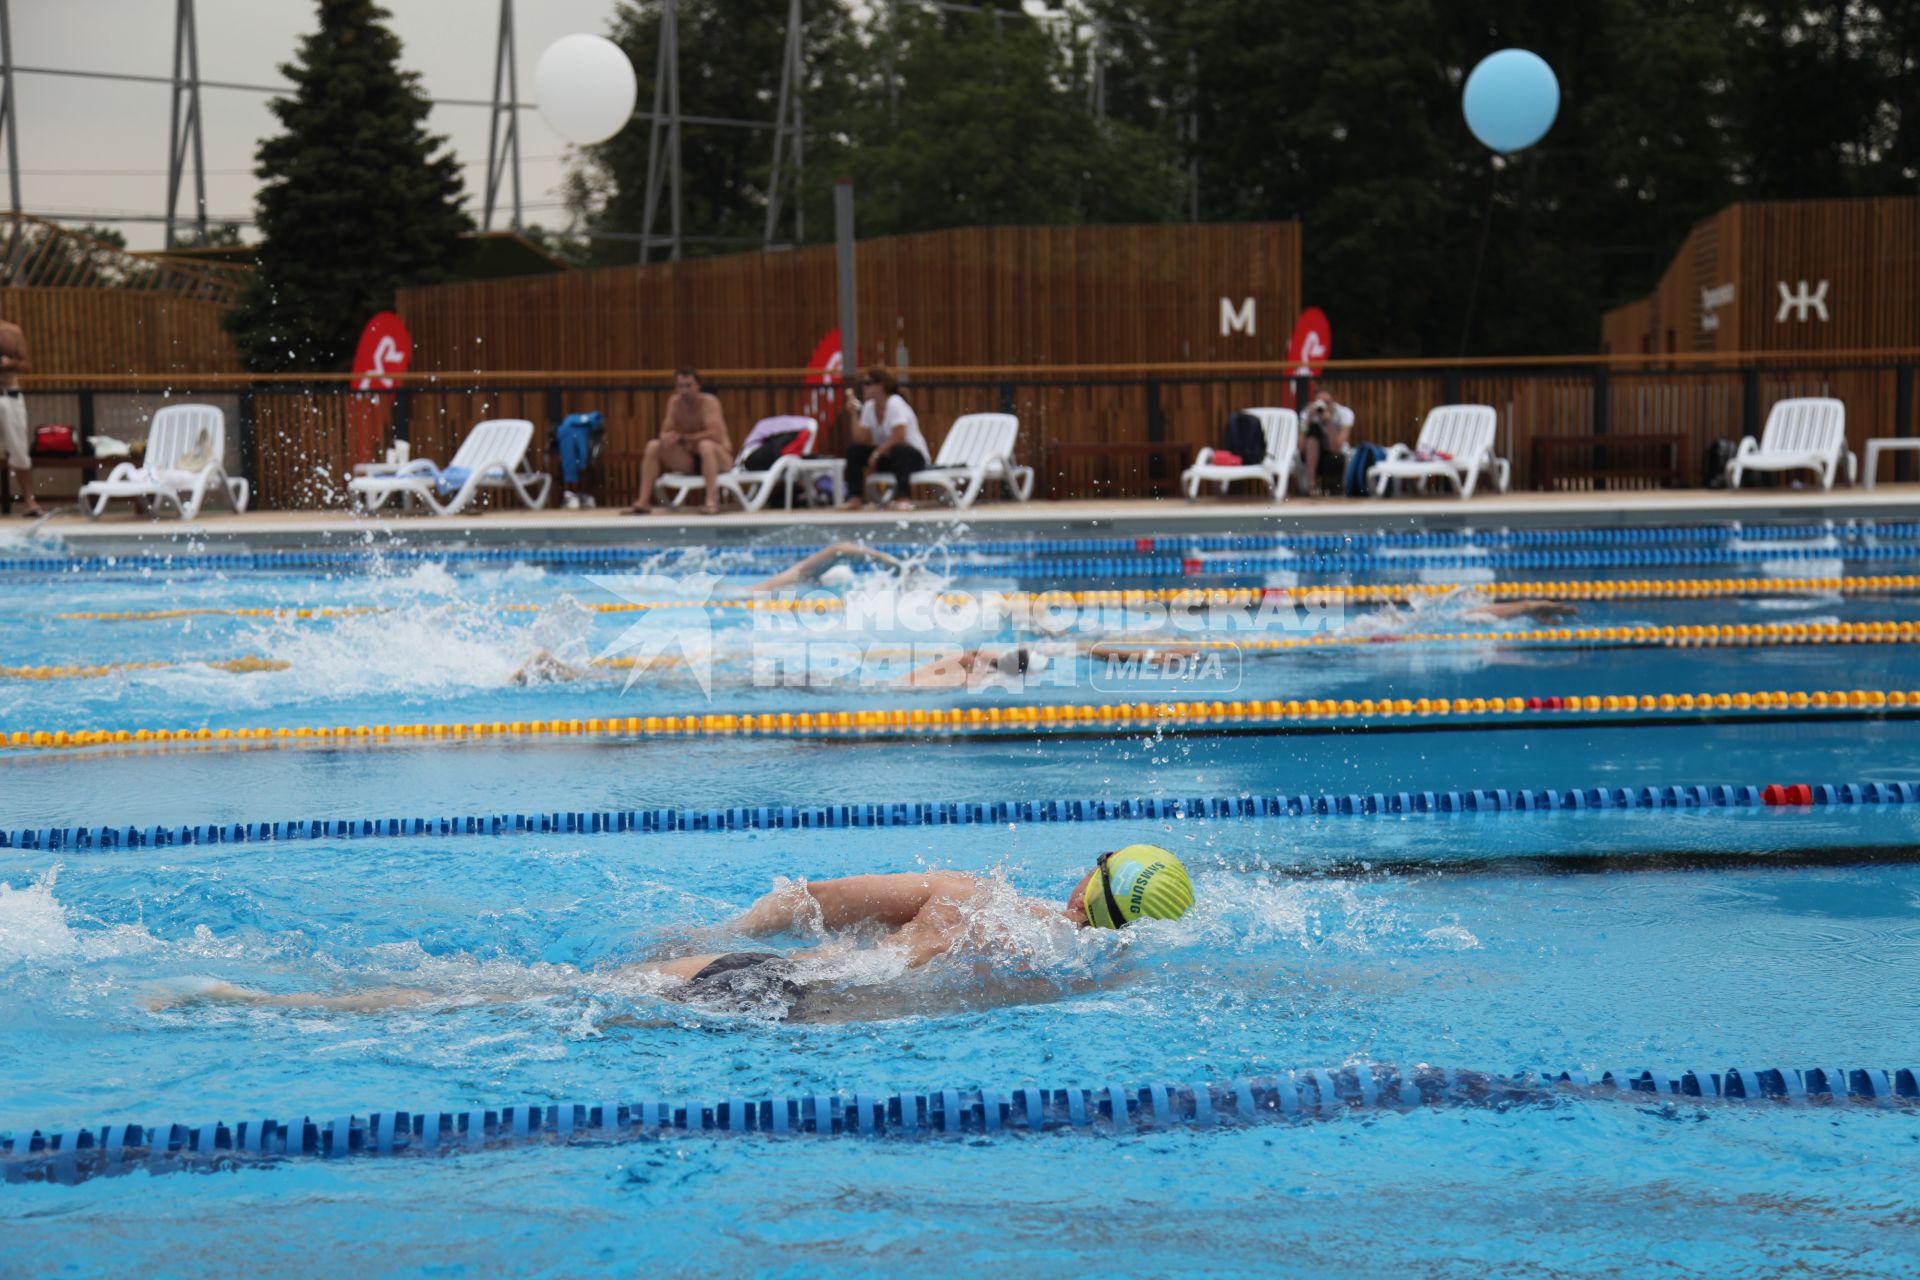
586, 87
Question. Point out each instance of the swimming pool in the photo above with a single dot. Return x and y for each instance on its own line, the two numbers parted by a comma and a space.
1694, 930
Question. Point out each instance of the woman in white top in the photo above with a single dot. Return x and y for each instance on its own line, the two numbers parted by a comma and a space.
887, 439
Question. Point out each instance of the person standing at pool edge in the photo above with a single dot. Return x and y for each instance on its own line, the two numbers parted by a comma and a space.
693, 437
16, 438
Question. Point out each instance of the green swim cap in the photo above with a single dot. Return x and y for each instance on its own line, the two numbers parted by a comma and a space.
1139, 880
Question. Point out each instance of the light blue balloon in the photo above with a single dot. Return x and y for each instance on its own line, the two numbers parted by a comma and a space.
1511, 99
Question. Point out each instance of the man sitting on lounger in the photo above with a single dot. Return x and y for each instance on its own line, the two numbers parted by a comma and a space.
693, 437
925, 915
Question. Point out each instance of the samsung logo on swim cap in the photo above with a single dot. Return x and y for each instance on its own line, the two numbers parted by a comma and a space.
1137, 900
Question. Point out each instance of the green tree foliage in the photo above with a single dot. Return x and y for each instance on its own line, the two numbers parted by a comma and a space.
1012, 140
357, 198
1418, 241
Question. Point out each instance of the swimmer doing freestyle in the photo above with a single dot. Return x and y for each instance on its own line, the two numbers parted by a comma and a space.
927, 915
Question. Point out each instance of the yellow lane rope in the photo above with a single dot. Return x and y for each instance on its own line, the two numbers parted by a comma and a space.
1754, 635
249, 665
1378, 593
1121, 717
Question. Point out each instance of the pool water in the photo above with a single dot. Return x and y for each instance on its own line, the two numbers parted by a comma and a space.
1702, 938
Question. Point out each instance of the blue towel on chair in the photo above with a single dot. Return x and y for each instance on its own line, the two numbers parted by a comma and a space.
450, 480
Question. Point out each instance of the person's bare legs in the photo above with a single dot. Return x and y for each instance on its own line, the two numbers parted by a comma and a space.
29, 506
714, 458
660, 458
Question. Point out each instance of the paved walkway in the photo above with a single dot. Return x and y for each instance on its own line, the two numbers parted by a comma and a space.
116, 532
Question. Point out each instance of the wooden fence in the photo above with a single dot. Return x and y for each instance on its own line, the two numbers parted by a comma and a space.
1799, 275
1091, 431
976, 297
75, 331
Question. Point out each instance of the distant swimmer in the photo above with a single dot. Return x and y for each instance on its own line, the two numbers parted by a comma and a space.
926, 915
988, 664
817, 567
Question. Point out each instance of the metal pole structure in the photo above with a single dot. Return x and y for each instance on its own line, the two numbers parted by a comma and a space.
1097, 81
786, 132
849, 311
673, 110
184, 131
503, 144
9, 111
664, 169
1193, 139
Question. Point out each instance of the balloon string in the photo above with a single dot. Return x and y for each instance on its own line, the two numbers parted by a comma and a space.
1479, 260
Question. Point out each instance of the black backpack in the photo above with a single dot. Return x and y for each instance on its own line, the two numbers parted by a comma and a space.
1246, 438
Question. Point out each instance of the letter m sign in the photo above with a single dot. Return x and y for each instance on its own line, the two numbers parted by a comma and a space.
1234, 321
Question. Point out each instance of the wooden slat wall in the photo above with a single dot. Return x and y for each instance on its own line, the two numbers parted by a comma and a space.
970, 297
119, 331
1868, 252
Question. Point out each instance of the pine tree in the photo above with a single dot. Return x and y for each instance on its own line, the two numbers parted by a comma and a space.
357, 198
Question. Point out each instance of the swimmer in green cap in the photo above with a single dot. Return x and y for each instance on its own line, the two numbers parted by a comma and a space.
926, 915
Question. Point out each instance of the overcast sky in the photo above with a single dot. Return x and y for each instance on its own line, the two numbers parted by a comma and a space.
96, 148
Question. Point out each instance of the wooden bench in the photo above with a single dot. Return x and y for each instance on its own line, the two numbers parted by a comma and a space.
1114, 470
1640, 461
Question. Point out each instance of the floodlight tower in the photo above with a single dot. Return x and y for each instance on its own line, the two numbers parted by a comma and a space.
184, 133
789, 127
503, 125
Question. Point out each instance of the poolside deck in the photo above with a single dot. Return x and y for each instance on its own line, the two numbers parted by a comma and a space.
123, 531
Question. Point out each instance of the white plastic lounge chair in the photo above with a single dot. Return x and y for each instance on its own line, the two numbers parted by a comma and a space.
978, 448
1458, 442
185, 460
1282, 429
1806, 434
751, 489
493, 456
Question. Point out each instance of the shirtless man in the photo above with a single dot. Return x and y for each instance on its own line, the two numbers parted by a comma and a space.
693, 437
15, 438
926, 915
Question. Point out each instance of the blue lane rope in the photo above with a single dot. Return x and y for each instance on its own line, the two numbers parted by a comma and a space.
70, 1155
952, 813
1115, 557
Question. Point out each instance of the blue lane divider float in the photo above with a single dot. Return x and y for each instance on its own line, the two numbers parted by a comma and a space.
69, 1155
1121, 556
963, 813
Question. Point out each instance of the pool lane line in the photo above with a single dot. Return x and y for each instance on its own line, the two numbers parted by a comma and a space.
1766, 635
1484, 541
1358, 593
1123, 719
1186, 565
74, 1155
998, 813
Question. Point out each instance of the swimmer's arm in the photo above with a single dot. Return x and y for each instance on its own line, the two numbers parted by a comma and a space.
892, 900
1538, 610
1110, 649
372, 1001
822, 560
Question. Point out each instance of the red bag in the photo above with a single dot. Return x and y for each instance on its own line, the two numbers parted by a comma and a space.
797, 447
55, 438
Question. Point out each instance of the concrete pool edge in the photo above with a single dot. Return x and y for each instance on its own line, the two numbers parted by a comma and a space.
604, 527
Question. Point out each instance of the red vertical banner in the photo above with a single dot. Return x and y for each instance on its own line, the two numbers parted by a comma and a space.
1312, 345
385, 350
826, 382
